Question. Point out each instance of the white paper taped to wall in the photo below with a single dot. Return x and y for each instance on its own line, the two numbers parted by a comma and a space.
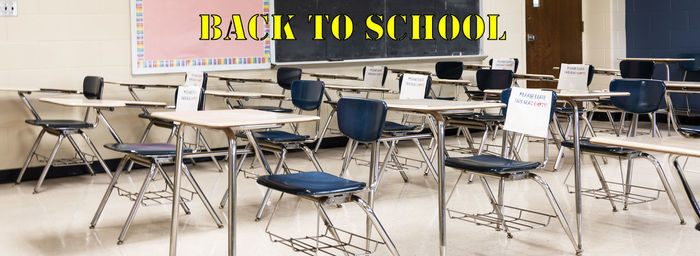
373, 76
188, 94
413, 86
506, 64
573, 77
529, 112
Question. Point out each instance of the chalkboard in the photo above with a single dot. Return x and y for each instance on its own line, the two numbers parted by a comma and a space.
304, 48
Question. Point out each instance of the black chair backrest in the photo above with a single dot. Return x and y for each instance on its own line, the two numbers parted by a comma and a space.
646, 96
591, 73
637, 69
428, 85
449, 70
285, 77
386, 71
202, 96
361, 119
493, 79
92, 87
515, 66
307, 94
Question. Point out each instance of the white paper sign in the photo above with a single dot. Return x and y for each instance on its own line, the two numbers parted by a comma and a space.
506, 64
413, 86
188, 94
573, 77
529, 112
373, 76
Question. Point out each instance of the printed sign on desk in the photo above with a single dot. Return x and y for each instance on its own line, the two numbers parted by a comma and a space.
188, 94
573, 77
413, 86
503, 64
529, 112
373, 76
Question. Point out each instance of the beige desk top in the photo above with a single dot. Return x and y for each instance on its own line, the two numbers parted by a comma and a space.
430, 105
534, 76
660, 59
450, 81
674, 145
218, 119
144, 84
243, 95
356, 88
602, 71
333, 76
19, 89
682, 85
475, 66
576, 95
410, 71
244, 79
75, 102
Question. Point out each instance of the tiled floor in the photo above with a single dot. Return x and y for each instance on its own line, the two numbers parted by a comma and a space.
55, 222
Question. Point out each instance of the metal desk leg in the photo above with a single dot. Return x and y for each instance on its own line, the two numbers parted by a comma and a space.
232, 174
668, 71
258, 151
577, 173
680, 178
373, 180
109, 126
441, 184
176, 190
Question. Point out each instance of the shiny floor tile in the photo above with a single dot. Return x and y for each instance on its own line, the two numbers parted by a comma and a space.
55, 221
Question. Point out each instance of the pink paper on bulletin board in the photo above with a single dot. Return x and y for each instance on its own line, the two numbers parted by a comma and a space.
166, 36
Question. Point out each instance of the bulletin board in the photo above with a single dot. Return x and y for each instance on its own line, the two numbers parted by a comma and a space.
165, 37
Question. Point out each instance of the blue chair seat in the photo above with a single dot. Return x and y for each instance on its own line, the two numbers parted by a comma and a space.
568, 109
397, 127
267, 108
60, 124
445, 98
690, 130
488, 117
586, 145
279, 136
460, 115
489, 164
145, 149
309, 183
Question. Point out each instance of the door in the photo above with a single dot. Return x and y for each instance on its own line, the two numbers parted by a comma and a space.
554, 36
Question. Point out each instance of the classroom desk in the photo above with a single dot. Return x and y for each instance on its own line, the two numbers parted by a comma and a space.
686, 87
476, 66
534, 77
602, 71
675, 147
665, 61
451, 81
132, 86
100, 105
355, 89
23, 92
573, 98
436, 109
320, 76
230, 121
242, 80
238, 96
401, 71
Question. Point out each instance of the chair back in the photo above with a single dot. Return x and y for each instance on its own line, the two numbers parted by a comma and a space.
285, 77
361, 119
92, 87
374, 76
637, 69
646, 96
412, 85
449, 70
190, 96
494, 79
307, 94
506, 63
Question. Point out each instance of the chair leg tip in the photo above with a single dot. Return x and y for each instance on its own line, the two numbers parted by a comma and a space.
614, 209
120, 242
682, 222
257, 219
35, 192
510, 235
221, 226
92, 226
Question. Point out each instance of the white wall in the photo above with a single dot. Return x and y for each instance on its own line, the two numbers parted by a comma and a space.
604, 36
